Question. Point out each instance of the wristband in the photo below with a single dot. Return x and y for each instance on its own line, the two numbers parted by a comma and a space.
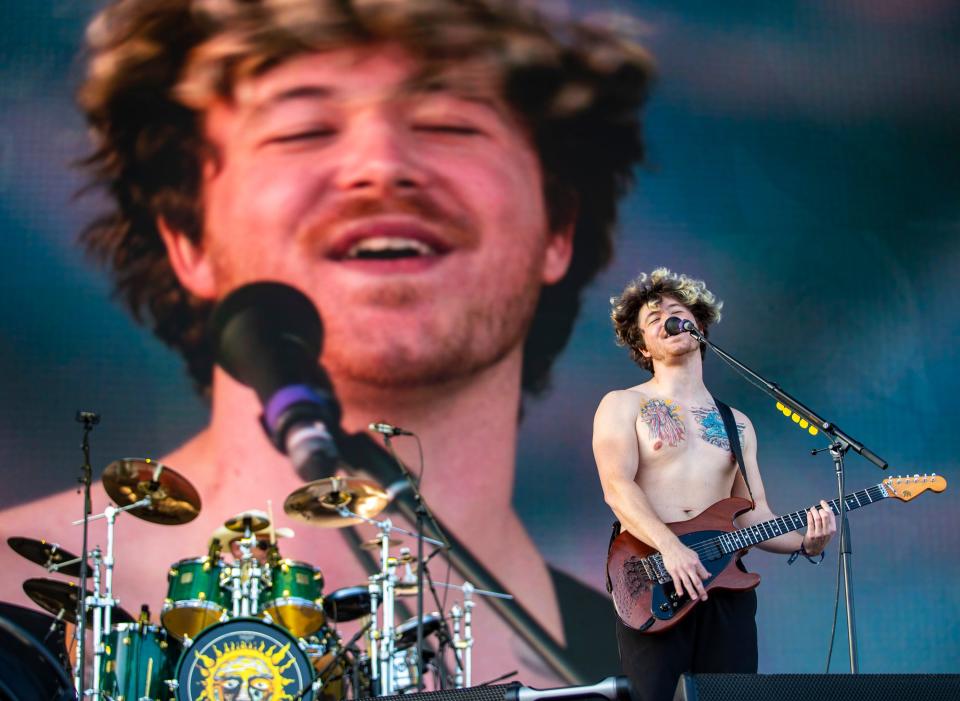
803, 551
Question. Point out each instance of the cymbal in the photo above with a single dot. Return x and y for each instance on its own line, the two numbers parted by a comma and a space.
55, 596
374, 543
227, 536
129, 480
258, 520
316, 503
47, 554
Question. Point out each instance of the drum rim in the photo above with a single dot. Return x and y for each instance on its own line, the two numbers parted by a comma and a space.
297, 563
287, 600
136, 624
205, 604
203, 559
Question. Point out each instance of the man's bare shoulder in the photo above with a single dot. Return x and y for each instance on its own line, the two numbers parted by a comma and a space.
620, 401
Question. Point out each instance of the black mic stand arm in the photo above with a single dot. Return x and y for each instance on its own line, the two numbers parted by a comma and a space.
841, 442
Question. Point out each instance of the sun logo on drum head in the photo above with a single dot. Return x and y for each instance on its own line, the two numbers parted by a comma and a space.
246, 670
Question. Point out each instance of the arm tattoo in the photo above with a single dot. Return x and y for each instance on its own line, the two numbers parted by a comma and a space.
711, 427
663, 421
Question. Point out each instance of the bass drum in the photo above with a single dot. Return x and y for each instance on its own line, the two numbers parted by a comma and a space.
243, 658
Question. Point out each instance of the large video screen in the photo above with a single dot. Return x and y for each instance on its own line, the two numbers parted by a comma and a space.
801, 159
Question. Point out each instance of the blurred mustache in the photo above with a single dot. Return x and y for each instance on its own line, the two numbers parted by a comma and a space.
457, 230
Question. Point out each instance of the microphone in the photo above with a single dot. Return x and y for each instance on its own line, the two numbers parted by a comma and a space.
389, 429
675, 325
268, 336
611, 688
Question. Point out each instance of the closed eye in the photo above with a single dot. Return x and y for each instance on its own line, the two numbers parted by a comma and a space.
454, 129
305, 135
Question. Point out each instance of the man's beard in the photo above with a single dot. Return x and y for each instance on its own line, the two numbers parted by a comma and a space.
478, 339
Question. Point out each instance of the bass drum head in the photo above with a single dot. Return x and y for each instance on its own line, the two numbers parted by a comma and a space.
243, 658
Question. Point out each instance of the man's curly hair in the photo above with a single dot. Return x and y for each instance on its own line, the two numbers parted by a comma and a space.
154, 65
651, 289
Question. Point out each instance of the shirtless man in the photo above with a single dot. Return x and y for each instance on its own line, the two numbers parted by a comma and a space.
664, 456
440, 178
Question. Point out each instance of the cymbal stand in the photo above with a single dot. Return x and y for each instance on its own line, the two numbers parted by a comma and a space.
388, 581
382, 640
103, 605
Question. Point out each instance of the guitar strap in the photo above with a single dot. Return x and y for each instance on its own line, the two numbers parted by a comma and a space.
733, 435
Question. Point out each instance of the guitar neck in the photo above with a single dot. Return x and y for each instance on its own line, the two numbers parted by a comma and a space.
751, 535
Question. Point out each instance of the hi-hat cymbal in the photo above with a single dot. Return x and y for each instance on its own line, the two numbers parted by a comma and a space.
48, 555
317, 502
175, 501
55, 596
256, 519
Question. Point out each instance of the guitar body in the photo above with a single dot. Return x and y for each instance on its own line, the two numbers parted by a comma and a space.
645, 604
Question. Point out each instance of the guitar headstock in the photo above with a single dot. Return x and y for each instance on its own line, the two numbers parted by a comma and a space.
906, 487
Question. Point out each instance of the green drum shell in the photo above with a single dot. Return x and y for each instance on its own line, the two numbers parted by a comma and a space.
195, 600
294, 599
137, 663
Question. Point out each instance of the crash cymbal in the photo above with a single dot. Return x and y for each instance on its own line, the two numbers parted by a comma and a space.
47, 555
257, 520
175, 501
347, 604
54, 596
317, 502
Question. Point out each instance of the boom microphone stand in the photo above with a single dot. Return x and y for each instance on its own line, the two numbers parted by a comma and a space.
841, 442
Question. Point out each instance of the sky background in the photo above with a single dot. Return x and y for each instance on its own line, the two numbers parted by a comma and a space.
803, 160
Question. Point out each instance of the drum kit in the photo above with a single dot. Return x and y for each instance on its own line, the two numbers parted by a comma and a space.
242, 621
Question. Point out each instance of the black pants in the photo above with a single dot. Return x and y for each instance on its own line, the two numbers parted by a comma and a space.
718, 635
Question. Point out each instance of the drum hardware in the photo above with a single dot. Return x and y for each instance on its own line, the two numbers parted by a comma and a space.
146, 507
50, 556
322, 680
151, 492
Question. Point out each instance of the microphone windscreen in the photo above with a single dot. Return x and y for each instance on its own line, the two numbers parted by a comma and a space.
268, 335
673, 325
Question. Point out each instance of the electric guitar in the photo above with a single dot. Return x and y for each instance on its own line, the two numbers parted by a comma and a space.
643, 592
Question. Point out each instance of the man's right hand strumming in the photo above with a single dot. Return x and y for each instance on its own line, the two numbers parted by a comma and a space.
684, 567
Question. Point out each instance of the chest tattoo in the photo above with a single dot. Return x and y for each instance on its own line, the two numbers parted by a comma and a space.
663, 421
711, 427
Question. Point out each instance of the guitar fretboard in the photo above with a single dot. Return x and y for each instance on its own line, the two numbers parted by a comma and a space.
718, 546
751, 535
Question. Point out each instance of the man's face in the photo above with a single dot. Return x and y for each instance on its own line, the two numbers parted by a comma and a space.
413, 218
659, 345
